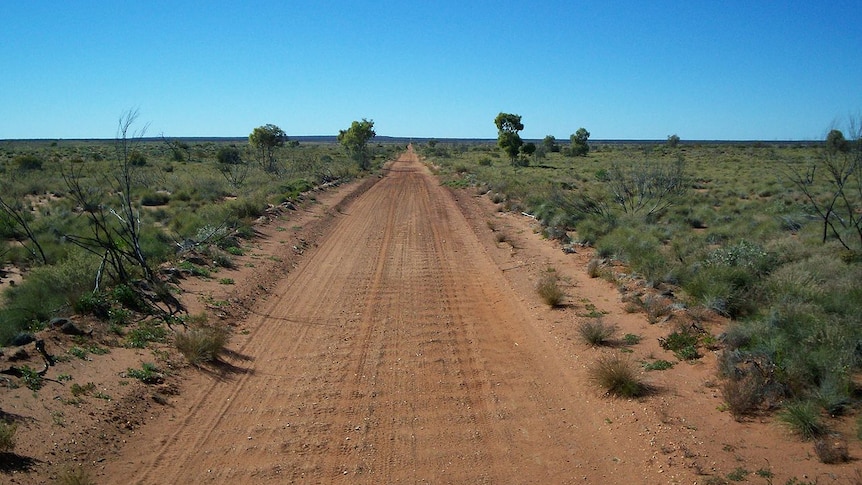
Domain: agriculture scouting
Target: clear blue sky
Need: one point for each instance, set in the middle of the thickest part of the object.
(735, 70)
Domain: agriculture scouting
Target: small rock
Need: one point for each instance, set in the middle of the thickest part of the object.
(23, 338)
(69, 328)
(58, 321)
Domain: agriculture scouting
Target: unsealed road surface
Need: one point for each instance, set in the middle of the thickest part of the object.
(395, 353)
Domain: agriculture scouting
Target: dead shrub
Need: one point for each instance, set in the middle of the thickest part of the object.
(832, 450)
(742, 396)
(594, 268)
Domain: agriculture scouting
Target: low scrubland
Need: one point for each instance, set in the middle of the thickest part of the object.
(91, 225)
(754, 234)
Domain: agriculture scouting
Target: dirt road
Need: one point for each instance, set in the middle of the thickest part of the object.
(395, 353)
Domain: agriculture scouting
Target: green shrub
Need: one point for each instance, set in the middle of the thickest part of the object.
(634, 245)
(155, 199)
(618, 376)
(31, 378)
(46, 292)
(28, 162)
(682, 343)
(148, 374)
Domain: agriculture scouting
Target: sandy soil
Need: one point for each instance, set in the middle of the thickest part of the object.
(384, 335)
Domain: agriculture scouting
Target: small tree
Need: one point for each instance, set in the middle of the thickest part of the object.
(580, 148)
(355, 141)
(231, 166)
(549, 143)
(672, 141)
(265, 139)
(114, 228)
(527, 150)
(508, 126)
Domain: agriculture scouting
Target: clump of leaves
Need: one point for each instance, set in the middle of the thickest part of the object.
(596, 332)
(550, 289)
(7, 436)
(618, 376)
(202, 344)
(148, 374)
(31, 378)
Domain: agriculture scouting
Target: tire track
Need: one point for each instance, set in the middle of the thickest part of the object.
(394, 353)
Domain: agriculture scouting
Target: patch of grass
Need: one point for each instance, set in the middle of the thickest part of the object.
(79, 390)
(682, 343)
(148, 374)
(803, 419)
(75, 476)
(140, 337)
(226, 281)
(7, 436)
(78, 352)
(657, 365)
(738, 475)
(550, 290)
(596, 332)
(201, 344)
(631, 339)
(618, 376)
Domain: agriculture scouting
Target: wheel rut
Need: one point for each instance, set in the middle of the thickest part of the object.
(394, 353)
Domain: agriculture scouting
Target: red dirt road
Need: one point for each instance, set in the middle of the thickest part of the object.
(395, 353)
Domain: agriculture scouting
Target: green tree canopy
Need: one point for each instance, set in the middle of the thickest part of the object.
(265, 139)
(508, 126)
(580, 148)
(549, 143)
(355, 141)
(836, 143)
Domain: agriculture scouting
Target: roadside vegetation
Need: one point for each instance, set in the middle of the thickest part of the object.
(765, 236)
(105, 228)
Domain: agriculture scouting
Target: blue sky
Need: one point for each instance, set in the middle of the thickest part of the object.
(733, 70)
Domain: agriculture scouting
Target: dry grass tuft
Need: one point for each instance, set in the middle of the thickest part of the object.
(201, 344)
(76, 476)
(618, 376)
(7, 436)
(550, 289)
(596, 332)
